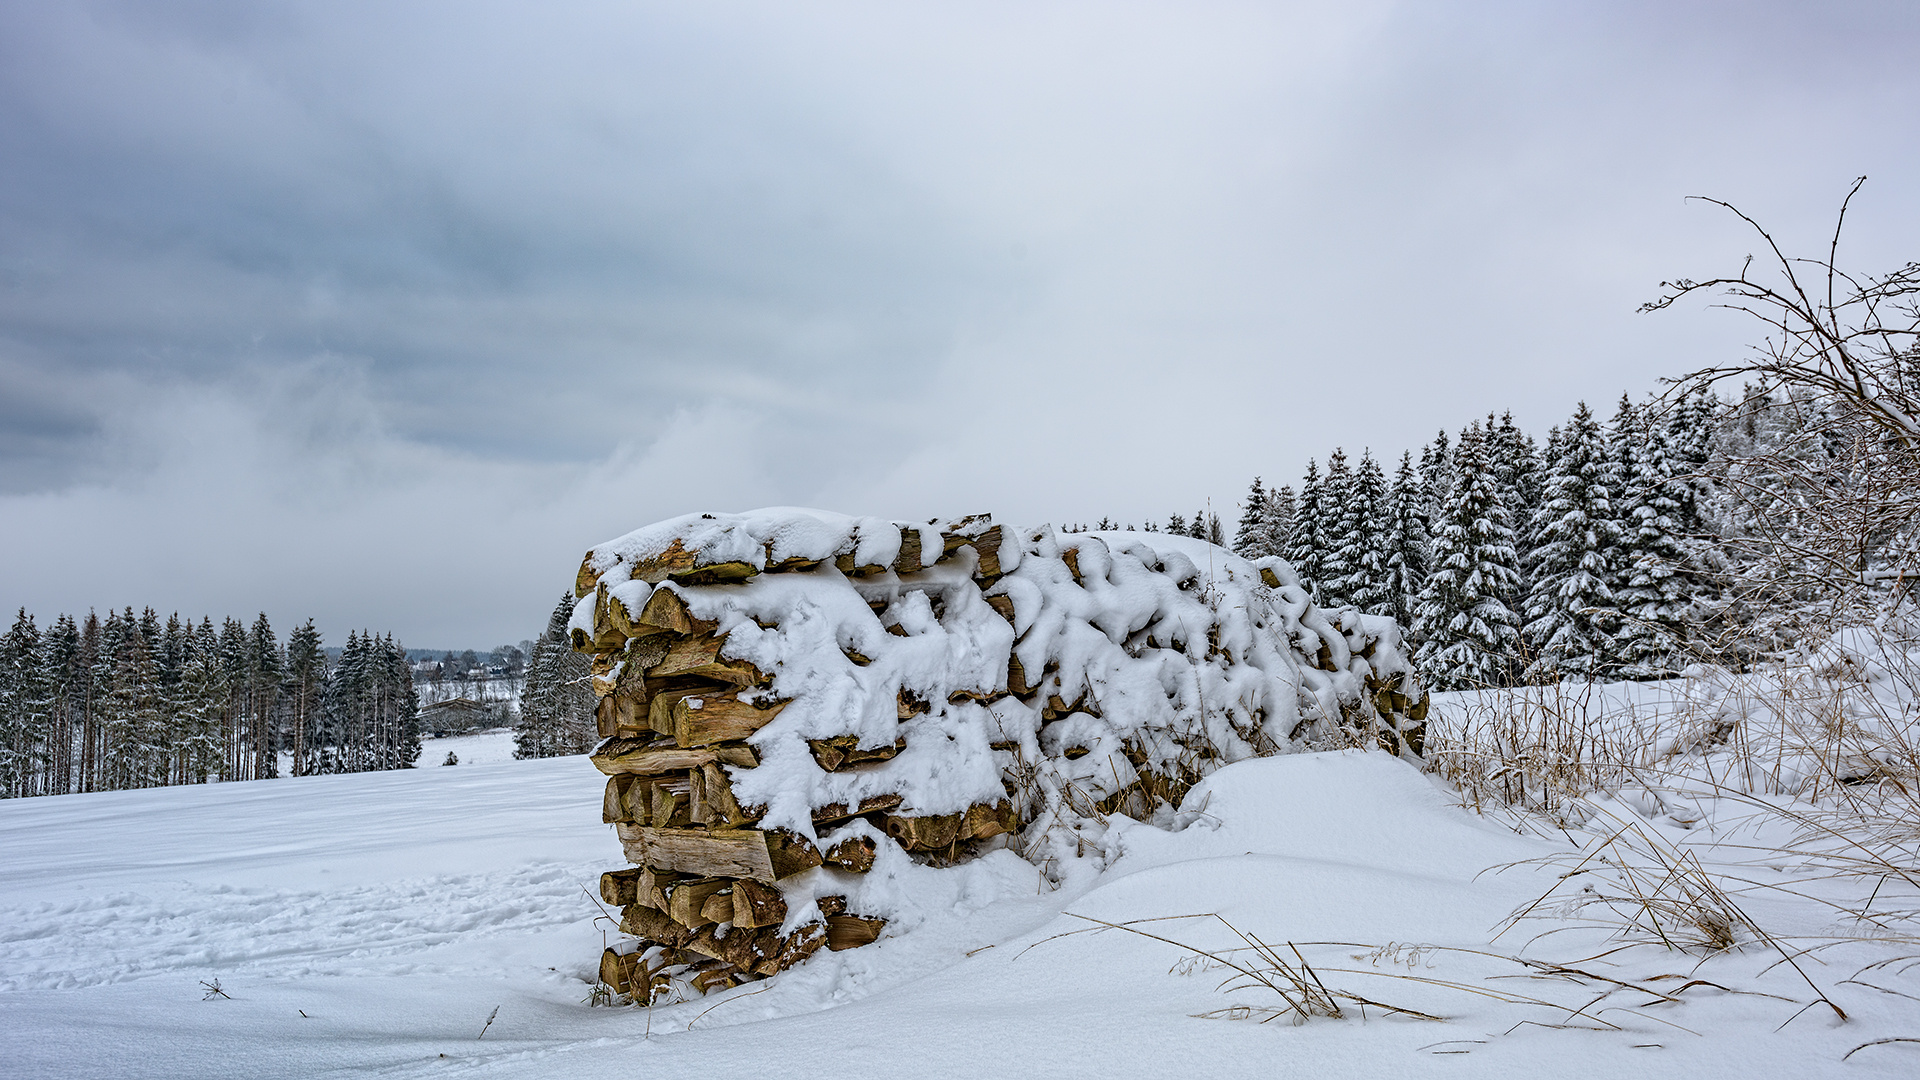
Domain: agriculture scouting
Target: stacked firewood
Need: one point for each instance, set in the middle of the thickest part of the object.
(794, 705)
(704, 897)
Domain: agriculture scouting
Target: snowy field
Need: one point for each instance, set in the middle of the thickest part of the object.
(373, 923)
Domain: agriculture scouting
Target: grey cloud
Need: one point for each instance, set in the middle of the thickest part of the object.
(493, 282)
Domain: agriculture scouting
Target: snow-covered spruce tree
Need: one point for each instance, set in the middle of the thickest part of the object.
(22, 707)
(1571, 613)
(1302, 551)
(1407, 544)
(556, 706)
(1277, 527)
(1468, 636)
(1436, 476)
(1661, 581)
(1517, 469)
(1360, 540)
(264, 669)
(1249, 537)
(62, 671)
(306, 677)
(1336, 490)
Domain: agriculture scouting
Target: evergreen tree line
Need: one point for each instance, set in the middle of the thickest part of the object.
(131, 702)
(557, 703)
(1610, 552)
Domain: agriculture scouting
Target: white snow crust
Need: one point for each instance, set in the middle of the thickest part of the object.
(370, 924)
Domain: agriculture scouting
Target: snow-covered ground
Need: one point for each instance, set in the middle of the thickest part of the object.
(375, 922)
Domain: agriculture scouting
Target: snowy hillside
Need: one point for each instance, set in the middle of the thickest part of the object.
(376, 921)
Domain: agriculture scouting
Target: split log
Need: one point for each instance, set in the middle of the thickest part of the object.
(667, 803)
(722, 976)
(722, 808)
(651, 757)
(687, 901)
(1017, 683)
(737, 853)
(924, 833)
(623, 972)
(989, 819)
(908, 561)
(855, 854)
(655, 926)
(755, 904)
(935, 831)
(843, 751)
(651, 889)
(614, 804)
(702, 718)
(700, 656)
(1002, 604)
(620, 887)
(845, 564)
(832, 812)
(718, 908)
(667, 610)
(852, 931)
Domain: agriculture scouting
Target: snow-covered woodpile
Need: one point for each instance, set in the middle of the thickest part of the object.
(798, 708)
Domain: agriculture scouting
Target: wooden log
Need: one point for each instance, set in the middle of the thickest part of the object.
(1017, 683)
(845, 564)
(987, 545)
(620, 887)
(698, 810)
(702, 717)
(651, 925)
(852, 931)
(908, 561)
(989, 819)
(755, 904)
(722, 976)
(666, 610)
(677, 562)
(613, 804)
(700, 656)
(718, 908)
(1071, 556)
(935, 831)
(651, 889)
(792, 949)
(832, 812)
(687, 901)
(722, 808)
(623, 972)
(736, 853)
(845, 751)
(1002, 605)
(667, 803)
(855, 854)
(651, 757)
(923, 833)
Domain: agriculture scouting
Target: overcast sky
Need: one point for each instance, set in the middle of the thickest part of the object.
(382, 313)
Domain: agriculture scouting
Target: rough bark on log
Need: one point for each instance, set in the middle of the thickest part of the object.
(620, 887)
(832, 812)
(651, 757)
(843, 751)
(755, 904)
(737, 853)
(702, 717)
(700, 656)
(687, 901)
(855, 854)
(613, 804)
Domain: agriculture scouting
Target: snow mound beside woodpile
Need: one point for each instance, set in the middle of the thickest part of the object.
(799, 707)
